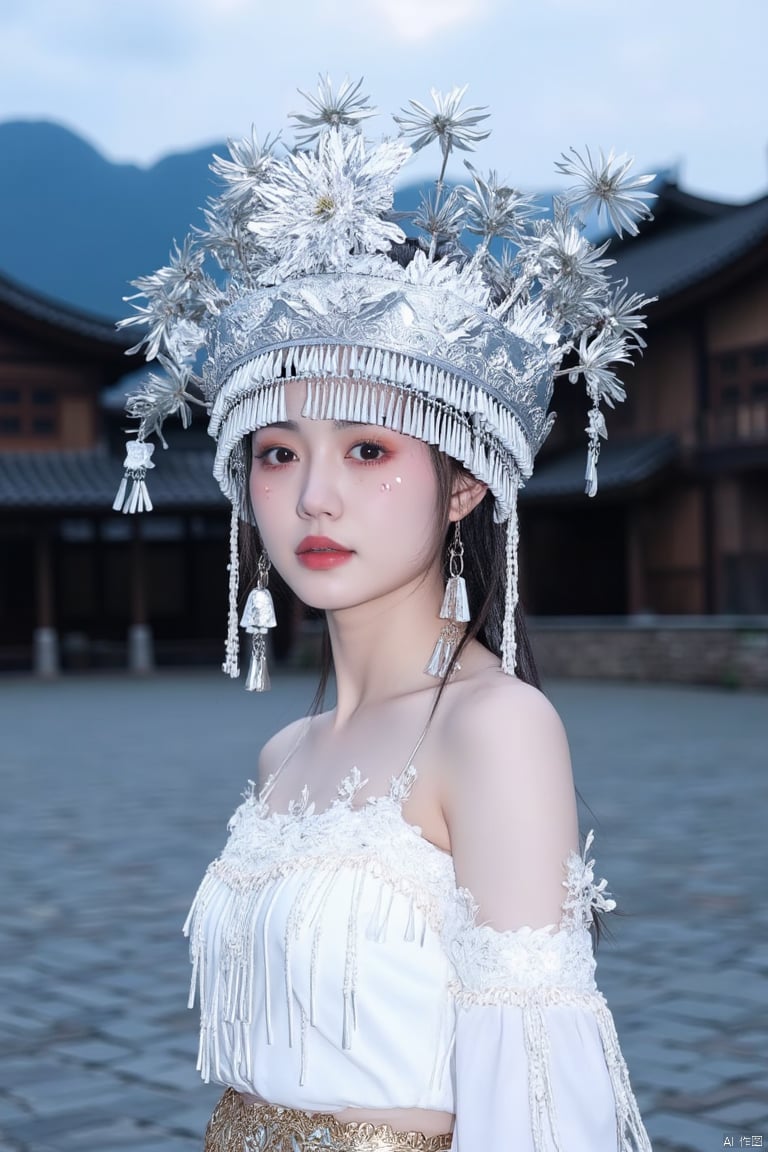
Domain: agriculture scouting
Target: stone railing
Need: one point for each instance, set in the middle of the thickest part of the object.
(730, 651)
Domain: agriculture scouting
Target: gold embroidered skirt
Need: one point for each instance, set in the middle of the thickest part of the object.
(239, 1127)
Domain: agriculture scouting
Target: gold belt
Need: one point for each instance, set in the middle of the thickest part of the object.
(239, 1127)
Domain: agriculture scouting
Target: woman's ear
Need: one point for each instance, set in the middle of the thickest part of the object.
(466, 495)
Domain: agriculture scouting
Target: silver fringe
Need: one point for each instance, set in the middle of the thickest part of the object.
(381, 388)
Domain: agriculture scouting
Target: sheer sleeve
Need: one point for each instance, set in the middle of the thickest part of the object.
(538, 1062)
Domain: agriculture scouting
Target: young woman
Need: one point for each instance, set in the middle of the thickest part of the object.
(393, 950)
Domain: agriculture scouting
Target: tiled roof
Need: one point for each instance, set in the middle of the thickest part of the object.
(622, 464)
(680, 257)
(89, 480)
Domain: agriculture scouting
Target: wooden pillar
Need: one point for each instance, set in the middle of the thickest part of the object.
(141, 656)
(45, 641)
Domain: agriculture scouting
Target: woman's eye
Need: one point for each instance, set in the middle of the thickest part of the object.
(368, 452)
(276, 455)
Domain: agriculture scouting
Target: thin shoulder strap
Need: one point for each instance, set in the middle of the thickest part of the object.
(271, 780)
(408, 774)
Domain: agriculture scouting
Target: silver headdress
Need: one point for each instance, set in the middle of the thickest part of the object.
(460, 348)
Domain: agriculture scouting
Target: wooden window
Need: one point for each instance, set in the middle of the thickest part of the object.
(739, 395)
(738, 376)
(28, 412)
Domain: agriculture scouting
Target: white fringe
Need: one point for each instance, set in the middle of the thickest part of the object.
(345, 383)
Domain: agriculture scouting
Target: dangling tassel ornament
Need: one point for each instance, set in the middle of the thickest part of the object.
(596, 431)
(138, 460)
(258, 617)
(454, 610)
(231, 663)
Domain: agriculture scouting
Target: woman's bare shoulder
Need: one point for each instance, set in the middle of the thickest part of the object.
(491, 702)
(498, 724)
(280, 746)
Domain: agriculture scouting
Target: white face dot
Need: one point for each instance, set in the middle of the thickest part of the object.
(386, 488)
(398, 479)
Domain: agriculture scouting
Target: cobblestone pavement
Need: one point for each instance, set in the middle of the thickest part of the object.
(116, 793)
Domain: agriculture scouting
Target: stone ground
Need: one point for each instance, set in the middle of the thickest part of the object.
(116, 793)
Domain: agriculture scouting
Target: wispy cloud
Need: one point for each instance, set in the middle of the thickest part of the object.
(415, 21)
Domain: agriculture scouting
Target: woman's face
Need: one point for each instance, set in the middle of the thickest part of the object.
(347, 512)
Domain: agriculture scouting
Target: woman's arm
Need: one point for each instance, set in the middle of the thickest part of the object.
(538, 1065)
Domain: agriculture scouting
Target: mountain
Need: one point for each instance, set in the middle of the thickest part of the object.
(78, 228)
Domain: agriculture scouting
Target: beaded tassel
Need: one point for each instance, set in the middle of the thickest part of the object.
(231, 663)
(509, 640)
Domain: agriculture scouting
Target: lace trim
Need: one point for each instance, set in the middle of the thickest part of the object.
(490, 963)
(526, 997)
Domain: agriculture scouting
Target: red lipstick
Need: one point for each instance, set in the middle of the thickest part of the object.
(320, 553)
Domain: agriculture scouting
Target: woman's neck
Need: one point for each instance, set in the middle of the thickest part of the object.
(380, 648)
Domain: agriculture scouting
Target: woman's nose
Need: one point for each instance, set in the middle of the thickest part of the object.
(319, 494)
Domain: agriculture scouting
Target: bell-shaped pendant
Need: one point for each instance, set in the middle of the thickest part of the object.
(258, 672)
(455, 601)
(259, 611)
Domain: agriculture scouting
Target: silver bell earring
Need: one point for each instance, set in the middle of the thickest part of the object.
(258, 617)
(454, 610)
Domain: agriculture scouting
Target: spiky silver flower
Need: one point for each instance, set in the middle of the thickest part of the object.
(243, 172)
(604, 185)
(319, 208)
(596, 355)
(624, 313)
(174, 293)
(343, 109)
(441, 221)
(446, 122)
(163, 396)
(564, 252)
(494, 209)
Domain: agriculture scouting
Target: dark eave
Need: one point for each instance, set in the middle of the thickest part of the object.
(623, 465)
(60, 324)
(687, 262)
(88, 480)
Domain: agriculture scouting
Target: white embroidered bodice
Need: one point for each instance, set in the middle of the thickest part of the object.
(334, 955)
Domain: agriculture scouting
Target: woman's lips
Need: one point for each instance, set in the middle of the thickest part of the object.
(320, 552)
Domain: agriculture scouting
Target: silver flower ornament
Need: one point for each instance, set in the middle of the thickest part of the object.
(319, 208)
(606, 186)
(163, 396)
(447, 122)
(346, 108)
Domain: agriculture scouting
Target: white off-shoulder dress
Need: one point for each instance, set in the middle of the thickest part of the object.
(338, 965)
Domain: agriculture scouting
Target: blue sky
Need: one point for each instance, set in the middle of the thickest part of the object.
(677, 83)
